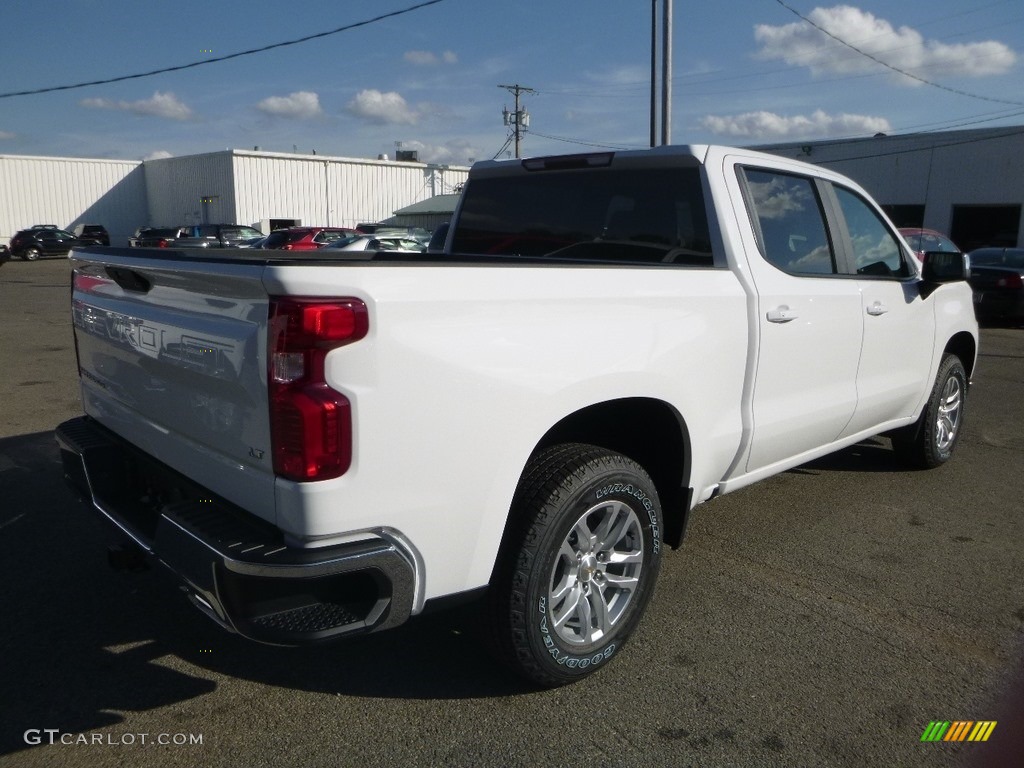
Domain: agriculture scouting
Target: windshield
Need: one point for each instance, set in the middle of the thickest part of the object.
(930, 241)
(649, 216)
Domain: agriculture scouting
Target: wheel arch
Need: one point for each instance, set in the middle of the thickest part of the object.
(964, 346)
(650, 432)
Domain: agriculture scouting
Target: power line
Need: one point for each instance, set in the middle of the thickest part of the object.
(589, 143)
(896, 69)
(217, 59)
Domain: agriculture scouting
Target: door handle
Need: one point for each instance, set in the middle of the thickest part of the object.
(878, 308)
(781, 314)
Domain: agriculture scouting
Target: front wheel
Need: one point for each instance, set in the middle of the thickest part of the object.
(578, 564)
(930, 442)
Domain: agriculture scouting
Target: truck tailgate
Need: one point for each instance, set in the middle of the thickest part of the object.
(172, 356)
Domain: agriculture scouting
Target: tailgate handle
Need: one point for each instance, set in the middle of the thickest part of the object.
(129, 279)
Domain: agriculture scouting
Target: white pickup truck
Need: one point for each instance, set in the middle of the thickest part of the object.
(320, 445)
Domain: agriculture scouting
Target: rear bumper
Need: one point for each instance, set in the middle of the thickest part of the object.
(237, 569)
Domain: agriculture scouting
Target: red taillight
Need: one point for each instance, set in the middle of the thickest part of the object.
(310, 423)
(162, 244)
(1010, 281)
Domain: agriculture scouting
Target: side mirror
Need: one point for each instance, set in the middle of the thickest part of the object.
(945, 267)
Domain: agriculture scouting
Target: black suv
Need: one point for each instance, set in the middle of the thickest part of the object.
(92, 233)
(43, 240)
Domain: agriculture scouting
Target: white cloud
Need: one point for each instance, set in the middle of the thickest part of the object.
(800, 44)
(165, 105)
(300, 104)
(768, 125)
(159, 154)
(6, 135)
(429, 58)
(382, 108)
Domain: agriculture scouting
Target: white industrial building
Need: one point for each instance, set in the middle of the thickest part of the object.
(264, 189)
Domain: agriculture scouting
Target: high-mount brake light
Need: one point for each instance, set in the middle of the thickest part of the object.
(569, 162)
(310, 423)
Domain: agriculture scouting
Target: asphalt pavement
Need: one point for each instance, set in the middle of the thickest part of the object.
(824, 617)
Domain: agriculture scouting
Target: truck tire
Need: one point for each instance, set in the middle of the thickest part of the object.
(930, 441)
(578, 563)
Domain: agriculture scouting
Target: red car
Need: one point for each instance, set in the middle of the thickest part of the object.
(923, 240)
(305, 238)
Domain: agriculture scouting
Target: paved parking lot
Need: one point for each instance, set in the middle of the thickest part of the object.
(821, 618)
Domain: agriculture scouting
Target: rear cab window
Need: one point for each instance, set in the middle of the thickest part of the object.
(596, 214)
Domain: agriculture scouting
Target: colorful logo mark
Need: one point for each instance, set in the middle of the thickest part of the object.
(958, 730)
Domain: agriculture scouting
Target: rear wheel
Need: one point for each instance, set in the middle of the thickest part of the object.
(31, 253)
(578, 564)
(931, 441)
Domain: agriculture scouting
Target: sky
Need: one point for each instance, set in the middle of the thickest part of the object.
(430, 79)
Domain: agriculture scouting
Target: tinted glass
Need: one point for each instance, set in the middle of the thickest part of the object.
(650, 216)
(341, 242)
(998, 257)
(792, 226)
(240, 233)
(876, 251)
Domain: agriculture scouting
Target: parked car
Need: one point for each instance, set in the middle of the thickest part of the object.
(307, 238)
(997, 278)
(393, 230)
(438, 238)
(94, 233)
(133, 241)
(5, 255)
(43, 240)
(157, 237)
(923, 240)
(378, 243)
(217, 235)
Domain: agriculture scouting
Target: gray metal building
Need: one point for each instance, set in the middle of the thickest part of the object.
(967, 184)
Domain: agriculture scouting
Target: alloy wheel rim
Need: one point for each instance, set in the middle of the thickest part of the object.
(948, 419)
(596, 573)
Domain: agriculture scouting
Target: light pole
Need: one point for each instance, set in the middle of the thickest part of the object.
(654, 73)
(666, 72)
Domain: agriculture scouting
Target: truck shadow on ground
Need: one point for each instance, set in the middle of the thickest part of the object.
(83, 643)
(872, 455)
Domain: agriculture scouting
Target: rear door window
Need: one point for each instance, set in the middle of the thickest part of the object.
(790, 221)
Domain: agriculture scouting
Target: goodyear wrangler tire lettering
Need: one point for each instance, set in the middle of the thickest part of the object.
(583, 548)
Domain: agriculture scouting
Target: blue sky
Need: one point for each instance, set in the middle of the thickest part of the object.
(745, 72)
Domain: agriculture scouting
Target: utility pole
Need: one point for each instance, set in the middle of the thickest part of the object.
(520, 118)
